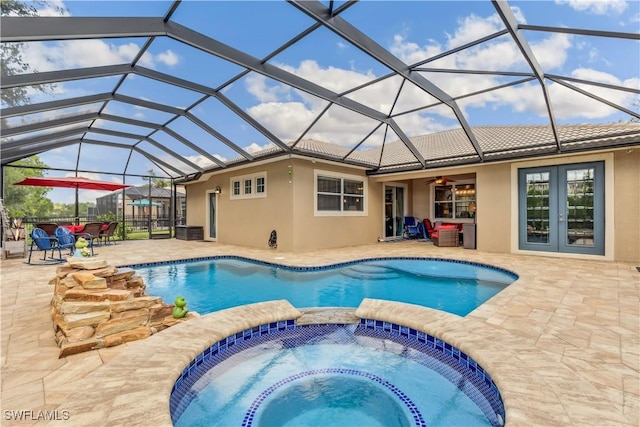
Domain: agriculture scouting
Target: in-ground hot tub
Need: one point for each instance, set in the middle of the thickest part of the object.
(373, 373)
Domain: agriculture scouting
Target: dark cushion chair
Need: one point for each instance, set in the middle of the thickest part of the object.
(107, 234)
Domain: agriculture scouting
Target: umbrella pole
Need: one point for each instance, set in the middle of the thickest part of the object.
(77, 208)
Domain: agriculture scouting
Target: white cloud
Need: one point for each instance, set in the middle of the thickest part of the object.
(552, 52)
(257, 86)
(473, 27)
(287, 112)
(254, 148)
(70, 54)
(597, 7)
(76, 54)
(168, 58)
(284, 119)
(567, 103)
(411, 52)
(332, 78)
(52, 8)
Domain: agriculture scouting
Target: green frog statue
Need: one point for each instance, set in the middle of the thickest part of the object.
(180, 310)
(82, 249)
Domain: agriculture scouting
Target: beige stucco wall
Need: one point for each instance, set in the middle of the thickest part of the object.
(493, 192)
(289, 207)
(627, 205)
(315, 232)
(247, 222)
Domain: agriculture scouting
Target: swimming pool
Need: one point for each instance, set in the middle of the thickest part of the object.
(373, 374)
(227, 281)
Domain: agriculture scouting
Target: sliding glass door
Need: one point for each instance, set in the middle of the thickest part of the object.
(394, 201)
(561, 208)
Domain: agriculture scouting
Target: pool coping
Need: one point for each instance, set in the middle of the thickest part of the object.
(571, 324)
(149, 368)
(331, 266)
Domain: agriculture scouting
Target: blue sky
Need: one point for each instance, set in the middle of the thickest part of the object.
(413, 31)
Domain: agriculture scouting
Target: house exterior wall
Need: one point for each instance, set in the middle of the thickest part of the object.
(317, 232)
(627, 205)
(493, 201)
(289, 206)
(247, 222)
(288, 209)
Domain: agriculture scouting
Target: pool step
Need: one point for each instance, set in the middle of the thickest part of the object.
(370, 272)
(325, 315)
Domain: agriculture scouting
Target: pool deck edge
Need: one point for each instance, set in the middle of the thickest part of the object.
(570, 325)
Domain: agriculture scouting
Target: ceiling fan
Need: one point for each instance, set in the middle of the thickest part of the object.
(439, 180)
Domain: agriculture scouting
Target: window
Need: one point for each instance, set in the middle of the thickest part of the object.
(249, 186)
(339, 194)
(455, 201)
(260, 185)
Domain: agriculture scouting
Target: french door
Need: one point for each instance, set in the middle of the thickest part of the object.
(561, 208)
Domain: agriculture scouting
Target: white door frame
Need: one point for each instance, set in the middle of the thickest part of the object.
(405, 204)
(207, 230)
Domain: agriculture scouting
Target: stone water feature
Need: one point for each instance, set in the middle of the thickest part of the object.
(96, 305)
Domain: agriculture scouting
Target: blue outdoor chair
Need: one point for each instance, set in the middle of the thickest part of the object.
(66, 240)
(411, 228)
(41, 241)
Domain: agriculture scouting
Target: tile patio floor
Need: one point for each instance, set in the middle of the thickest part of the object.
(562, 342)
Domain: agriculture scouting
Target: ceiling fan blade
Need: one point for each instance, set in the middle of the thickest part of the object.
(440, 180)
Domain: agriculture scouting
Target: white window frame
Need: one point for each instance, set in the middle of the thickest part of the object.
(453, 201)
(264, 184)
(233, 188)
(342, 176)
(253, 193)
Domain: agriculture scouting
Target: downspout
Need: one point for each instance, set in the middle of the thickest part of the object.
(150, 210)
(173, 210)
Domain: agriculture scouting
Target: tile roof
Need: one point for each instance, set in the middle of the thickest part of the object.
(453, 146)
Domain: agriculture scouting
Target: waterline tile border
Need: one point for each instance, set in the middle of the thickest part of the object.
(319, 268)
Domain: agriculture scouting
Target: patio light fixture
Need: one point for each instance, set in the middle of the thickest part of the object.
(218, 190)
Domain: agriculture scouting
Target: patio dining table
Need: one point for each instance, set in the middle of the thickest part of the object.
(75, 229)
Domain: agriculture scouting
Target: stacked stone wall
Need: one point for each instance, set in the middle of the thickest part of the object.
(96, 305)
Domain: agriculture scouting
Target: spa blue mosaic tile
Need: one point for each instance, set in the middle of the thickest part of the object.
(418, 419)
(479, 385)
(423, 348)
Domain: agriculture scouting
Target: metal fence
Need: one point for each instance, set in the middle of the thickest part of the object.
(134, 227)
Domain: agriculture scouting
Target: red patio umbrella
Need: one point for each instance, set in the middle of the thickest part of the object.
(77, 182)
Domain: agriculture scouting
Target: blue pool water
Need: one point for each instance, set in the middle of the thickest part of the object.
(215, 284)
(333, 375)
